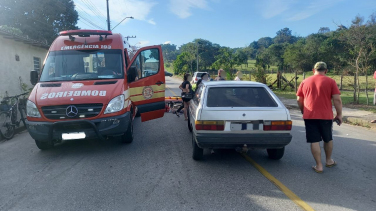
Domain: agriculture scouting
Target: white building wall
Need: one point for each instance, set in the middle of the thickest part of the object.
(11, 70)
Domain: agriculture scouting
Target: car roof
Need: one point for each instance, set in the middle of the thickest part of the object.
(229, 83)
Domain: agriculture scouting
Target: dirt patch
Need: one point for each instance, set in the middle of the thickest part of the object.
(371, 108)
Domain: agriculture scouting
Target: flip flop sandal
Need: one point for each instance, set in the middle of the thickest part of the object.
(331, 165)
(373, 121)
(317, 171)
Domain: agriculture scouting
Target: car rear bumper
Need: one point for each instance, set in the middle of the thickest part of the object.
(228, 141)
(98, 128)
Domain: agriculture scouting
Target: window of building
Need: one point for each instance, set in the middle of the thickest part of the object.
(37, 64)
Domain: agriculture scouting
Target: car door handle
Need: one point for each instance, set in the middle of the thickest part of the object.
(159, 83)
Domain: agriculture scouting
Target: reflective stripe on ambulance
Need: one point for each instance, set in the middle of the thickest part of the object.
(147, 92)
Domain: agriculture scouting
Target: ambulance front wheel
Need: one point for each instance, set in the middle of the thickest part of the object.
(128, 136)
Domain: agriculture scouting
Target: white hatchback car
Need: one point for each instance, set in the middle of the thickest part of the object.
(197, 76)
(237, 115)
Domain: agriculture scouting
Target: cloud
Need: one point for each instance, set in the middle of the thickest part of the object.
(272, 8)
(151, 21)
(167, 42)
(313, 8)
(182, 8)
(294, 10)
(143, 43)
(139, 9)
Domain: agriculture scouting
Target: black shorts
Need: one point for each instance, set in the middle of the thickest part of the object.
(318, 130)
(186, 99)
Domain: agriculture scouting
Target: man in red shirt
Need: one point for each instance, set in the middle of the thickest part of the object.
(314, 96)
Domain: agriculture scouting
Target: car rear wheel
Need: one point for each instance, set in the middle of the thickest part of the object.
(44, 145)
(198, 153)
(276, 154)
(128, 136)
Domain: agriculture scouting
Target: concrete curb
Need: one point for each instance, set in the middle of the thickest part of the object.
(359, 122)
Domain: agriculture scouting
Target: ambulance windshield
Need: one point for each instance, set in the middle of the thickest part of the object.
(83, 65)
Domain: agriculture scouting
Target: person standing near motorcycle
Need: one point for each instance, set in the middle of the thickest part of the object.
(187, 94)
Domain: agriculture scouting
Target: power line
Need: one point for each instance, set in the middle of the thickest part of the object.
(80, 15)
(94, 10)
(86, 18)
(100, 13)
(89, 21)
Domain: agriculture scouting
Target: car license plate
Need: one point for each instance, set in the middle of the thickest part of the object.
(238, 126)
(72, 136)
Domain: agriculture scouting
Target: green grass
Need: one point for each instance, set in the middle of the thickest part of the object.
(285, 94)
(251, 65)
(169, 69)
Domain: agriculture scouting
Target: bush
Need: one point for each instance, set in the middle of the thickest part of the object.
(260, 75)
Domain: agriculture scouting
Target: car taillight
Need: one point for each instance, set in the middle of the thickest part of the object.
(196, 79)
(210, 125)
(277, 125)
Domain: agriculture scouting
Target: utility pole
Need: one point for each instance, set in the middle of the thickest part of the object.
(108, 18)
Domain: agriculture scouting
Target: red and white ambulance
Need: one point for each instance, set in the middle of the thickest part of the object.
(90, 88)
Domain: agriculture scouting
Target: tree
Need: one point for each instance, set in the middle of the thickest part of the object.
(264, 42)
(360, 41)
(39, 19)
(225, 59)
(324, 30)
(284, 36)
(190, 49)
(206, 52)
(264, 60)
(241, 57)
(335, 52)
(276, 52)
(181, 64)
(169, 52)
(297, 57)
(313, 47)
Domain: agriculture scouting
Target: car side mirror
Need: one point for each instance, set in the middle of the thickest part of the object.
(33, 77)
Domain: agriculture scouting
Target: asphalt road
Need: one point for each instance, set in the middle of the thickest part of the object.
(156, 172)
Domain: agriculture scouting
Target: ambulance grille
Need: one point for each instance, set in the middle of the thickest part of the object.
(78, 111)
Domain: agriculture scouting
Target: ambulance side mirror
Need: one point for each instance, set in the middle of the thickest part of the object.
(33, 77)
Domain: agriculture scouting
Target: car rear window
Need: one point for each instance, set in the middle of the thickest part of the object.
(239, 97)
(199, 74)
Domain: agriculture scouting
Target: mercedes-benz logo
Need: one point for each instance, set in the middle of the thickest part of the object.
(71, 111)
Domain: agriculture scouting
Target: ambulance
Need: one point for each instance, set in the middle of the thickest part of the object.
(92, 85)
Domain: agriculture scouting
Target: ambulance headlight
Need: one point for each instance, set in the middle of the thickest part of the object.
(115, 105)
(32, 110)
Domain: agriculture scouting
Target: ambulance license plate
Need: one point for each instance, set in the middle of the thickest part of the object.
(72, 136)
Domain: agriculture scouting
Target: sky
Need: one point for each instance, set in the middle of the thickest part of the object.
(231, 23)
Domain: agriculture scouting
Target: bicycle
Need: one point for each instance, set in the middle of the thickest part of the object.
(8, 119)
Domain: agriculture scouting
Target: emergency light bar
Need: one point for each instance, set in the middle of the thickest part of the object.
(85, 32)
